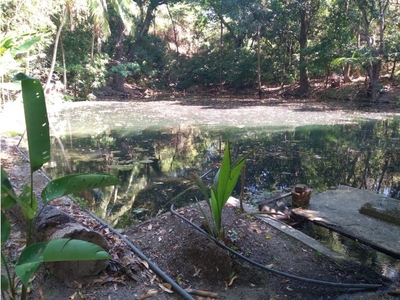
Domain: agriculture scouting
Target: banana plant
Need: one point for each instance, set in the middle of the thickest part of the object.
(221, 189)
(37, 129)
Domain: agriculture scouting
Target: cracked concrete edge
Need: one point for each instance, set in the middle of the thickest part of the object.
(294, 233)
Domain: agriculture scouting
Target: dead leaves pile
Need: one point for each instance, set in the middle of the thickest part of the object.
(124, 266)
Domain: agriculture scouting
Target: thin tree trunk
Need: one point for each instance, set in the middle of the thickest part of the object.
(175, 33)
(259, 62)
(53, 62)
(393, 69)
(64, 64)
(119, 79)
(92, 45)
(221, 46)
(304, 84)
(346, 73)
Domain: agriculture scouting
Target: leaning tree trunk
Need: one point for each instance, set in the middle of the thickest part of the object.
(57, 39)
(53, 223)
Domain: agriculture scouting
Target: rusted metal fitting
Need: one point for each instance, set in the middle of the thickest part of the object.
(301, 195)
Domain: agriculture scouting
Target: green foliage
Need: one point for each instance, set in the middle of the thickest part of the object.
(12, 48)
(125, 69)
(39, 153)
(222, 188)
(151, 57)
(87, 75)
(74, 183)
(37, 124)
(55, 250)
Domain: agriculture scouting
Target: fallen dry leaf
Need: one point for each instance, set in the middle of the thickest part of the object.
(148, 294)
(145, 264)
(232, 280)
(284, 281)
(197, 272)
(165, 287)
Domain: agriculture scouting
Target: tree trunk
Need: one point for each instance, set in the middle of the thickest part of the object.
(374, 76)
(53, 223)
(175, 32)
(259, 62)
(393, 69)
(304, 83)
(119, 79)
(346, 73)
(64, 64)
(53, 62)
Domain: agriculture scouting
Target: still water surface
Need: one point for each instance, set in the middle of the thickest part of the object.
(154, 161)
(153, 150)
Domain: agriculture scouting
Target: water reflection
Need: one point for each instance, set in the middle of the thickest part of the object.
(154, 163)
(382, 263)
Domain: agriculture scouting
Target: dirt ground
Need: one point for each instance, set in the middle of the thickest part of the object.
(192, 260)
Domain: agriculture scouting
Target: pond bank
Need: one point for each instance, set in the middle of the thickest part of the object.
(79, 117)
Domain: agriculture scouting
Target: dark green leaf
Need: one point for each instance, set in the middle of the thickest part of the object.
(4, 283)
(29, 261)
(28, 203)
(5, 229)
(72, 250)
(76, 183)
(37, 124)
(8, 197)
(55, 250)
(26, 45)
(200, 184)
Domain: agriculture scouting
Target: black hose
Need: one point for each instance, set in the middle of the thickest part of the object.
(315, 281)
(185, 294)
(152, 266)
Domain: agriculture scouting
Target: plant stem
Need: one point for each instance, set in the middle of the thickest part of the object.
(10, 281)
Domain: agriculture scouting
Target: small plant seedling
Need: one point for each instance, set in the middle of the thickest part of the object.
(222, 188)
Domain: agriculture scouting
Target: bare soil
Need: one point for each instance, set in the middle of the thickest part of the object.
(194, 261)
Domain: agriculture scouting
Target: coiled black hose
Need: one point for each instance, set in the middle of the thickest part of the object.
(185, 294)
(287, 275)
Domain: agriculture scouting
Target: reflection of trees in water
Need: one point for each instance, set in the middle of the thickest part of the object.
(362, 154)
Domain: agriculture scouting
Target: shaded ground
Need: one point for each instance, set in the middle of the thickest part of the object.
(194, 261)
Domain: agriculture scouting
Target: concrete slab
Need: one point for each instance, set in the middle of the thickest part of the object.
(385, 209)
(294, 233)
(338, 210)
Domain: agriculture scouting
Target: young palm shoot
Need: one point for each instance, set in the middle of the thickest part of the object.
(221, 189)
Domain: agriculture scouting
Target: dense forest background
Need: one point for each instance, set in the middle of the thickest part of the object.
(80, 46)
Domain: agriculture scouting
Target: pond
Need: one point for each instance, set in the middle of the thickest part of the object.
(153, 153)
(153, 147)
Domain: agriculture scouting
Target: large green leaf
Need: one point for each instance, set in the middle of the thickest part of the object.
(5, 229)
(28, 203)
(76, 183)
(26, 45)
(37, 124)
(8, 196)
(55, 250)
(29, 261)
(72, 250)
